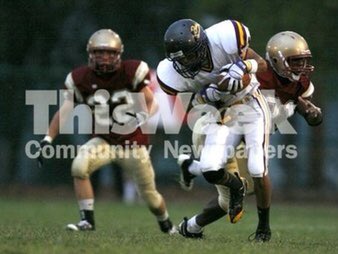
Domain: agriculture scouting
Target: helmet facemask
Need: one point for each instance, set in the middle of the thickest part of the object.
(289, 55)
(292, 67)
(299, 65)
(104, 60)
(105, 49)
(190, 63)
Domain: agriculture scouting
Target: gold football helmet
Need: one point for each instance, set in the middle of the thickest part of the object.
(105, 48)
(289, 55)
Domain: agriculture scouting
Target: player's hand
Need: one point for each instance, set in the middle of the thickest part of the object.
(230, 84)
(137, 119)
(311, 113)
(208, 94)
(235, 70)
(211, 93)
(43, 143)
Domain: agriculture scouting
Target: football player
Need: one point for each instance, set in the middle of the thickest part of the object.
(288, 57)
(107, 84)
(204, 62)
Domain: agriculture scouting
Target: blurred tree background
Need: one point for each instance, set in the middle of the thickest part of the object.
(41, 41)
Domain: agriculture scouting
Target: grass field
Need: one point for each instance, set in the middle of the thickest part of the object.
(31, 226)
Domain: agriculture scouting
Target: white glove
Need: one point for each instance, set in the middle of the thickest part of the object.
(135, 119)
(235, 70)
(208, 94)
(47, 141)
(230, 84)
(211, 93)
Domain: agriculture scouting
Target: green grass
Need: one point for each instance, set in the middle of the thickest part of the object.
(30, 226)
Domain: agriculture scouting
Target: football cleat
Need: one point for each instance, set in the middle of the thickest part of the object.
(186, 178)
(167, 226)
(261, 235)
(83, 225)
(236, 201)
(182, 230)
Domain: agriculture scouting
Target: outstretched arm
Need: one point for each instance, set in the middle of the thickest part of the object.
(58, 121)
(152, 105)
(311, 113)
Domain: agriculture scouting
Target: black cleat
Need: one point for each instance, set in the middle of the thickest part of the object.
(261, 235)
(167, 227)
(83, 225)
(186, 178)
(236, 201)
(182, 229)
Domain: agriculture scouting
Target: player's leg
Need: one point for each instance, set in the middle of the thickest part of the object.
(144, 177)
(220, 144)
(240, 164)
(213, 211)
(214, 156)
(257, 142)
(189, 167)
(92, 155)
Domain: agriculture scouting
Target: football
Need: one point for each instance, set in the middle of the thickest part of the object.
(223, 86)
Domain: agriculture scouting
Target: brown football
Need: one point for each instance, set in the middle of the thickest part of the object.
(222, 86)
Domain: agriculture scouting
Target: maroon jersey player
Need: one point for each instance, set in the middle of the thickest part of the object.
(132, 76)
(105, 85)
(287, 76)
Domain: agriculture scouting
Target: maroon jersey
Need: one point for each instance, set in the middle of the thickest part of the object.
(285, 89)
(132, 76)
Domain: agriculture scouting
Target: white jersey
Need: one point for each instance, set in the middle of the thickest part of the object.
(227, 40)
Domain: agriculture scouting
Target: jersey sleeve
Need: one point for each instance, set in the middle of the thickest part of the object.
(72, 91)
(307, 87)
(242, 35)
(137, 74)
(141, 77)
(169, 80)
(233, 36)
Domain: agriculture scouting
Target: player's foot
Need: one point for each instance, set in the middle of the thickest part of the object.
(236, 201)
(83, 225)
(167, 226)
(261, 235)
(186, 178)
(182, 229)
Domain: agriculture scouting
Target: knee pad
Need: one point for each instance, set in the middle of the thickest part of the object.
(256, 169)
(214, 177)
(80, 167)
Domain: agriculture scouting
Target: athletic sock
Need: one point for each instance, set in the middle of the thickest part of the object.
(86, 204)
(195, 168)
(87, 210)
(163, 217)
(192, 226)
(263, 218)
(88, 216)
